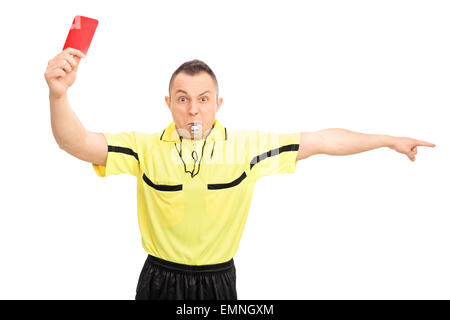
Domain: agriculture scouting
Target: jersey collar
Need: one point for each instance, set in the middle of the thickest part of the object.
(218, 133)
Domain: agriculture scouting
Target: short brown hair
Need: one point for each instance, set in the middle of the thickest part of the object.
(194, 67)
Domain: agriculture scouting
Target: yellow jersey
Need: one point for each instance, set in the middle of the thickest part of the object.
(193, 196)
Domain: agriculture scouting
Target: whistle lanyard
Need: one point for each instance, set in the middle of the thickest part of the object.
(193, 154)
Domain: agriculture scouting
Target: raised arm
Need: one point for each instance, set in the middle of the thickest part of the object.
(67, 129)
(340, 142)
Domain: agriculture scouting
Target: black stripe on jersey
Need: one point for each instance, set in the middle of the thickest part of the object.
(273, 152)
(123, 150)
(162, 187)
(227, 185)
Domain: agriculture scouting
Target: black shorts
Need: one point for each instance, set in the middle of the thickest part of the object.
(166, 280)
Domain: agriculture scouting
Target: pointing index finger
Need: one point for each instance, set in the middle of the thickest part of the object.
(425, 144)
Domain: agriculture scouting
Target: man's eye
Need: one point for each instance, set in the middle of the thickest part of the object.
(206, 98)
(181, 98)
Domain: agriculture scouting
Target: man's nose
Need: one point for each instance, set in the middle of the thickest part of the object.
(194, 109)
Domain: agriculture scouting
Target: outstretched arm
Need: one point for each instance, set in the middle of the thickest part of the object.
(341, 142)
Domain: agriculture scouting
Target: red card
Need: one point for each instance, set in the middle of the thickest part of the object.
(81, 33)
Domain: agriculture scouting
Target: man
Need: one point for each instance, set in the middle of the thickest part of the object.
(194, 178)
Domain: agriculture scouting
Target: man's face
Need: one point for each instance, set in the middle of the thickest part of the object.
(193, 99)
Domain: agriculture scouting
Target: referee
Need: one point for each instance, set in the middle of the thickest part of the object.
(195, 179)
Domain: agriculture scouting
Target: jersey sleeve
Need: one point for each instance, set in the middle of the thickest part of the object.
(122, 155)
(273, 153)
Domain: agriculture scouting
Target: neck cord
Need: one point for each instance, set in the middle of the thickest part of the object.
(192, 154)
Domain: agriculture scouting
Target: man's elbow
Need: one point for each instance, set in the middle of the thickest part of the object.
(74, 148)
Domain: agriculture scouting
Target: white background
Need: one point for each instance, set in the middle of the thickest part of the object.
(372, 225)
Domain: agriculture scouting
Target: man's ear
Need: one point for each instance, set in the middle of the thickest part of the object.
(219, 104)
(167, 101)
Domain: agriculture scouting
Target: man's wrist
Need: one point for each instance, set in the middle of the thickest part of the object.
(389, 141)
(54, 96)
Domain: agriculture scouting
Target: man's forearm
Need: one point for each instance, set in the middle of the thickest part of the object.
(339, 142)
(67, 129)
